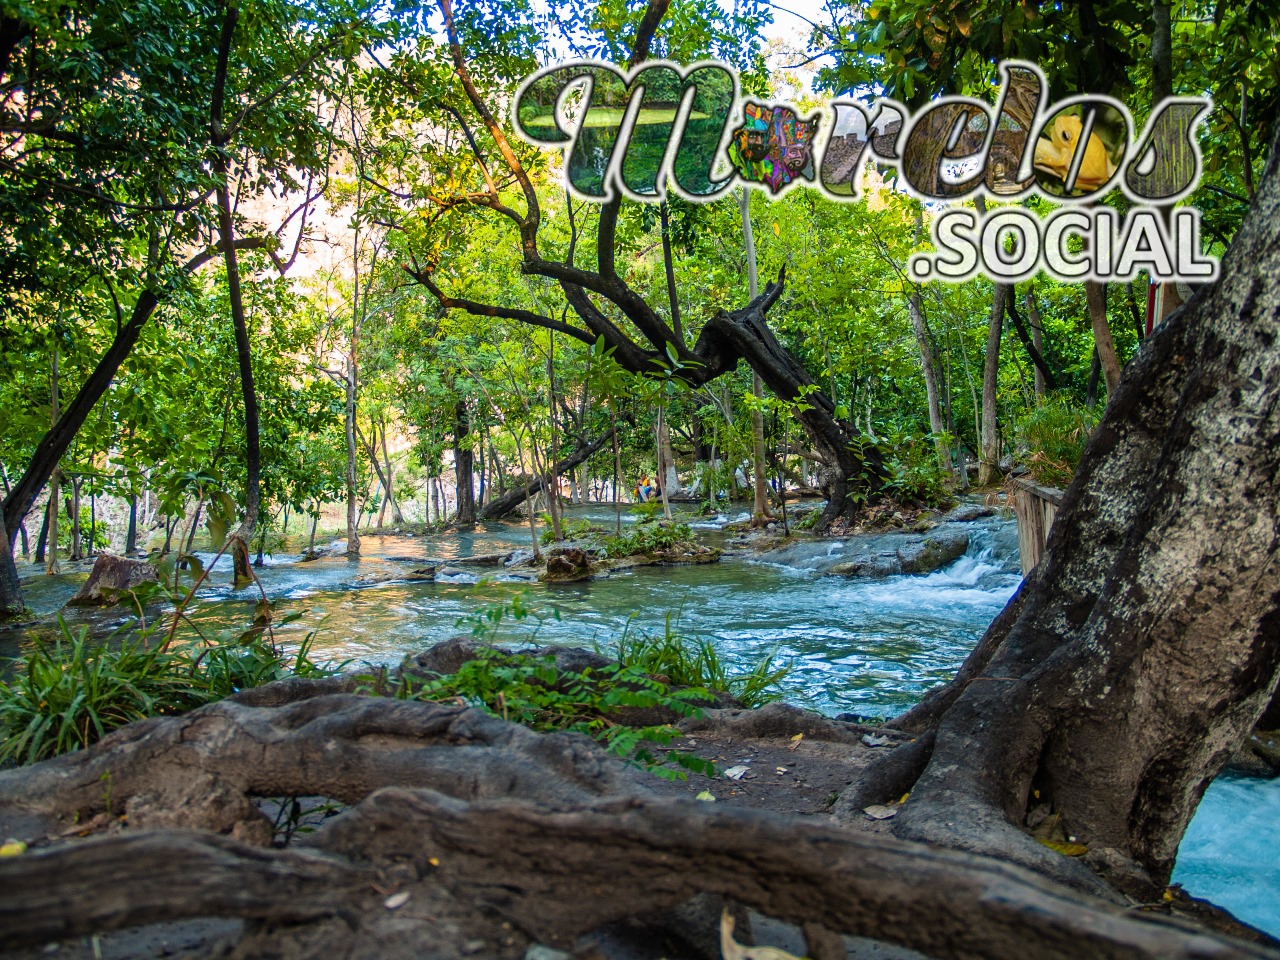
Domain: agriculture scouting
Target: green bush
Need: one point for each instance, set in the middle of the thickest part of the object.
(914, 472)
(70, 693)
(530, 690)
(647, 537)
(1051, 439)
(101, 539)
(574, 530)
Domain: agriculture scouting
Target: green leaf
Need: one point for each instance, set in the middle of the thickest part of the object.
(219, 516)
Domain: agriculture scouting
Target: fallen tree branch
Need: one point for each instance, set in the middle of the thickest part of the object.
(527, 486)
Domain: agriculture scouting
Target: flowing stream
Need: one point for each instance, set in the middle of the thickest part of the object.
(867, 646)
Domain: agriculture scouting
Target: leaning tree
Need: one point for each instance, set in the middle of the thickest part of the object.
(608, 309)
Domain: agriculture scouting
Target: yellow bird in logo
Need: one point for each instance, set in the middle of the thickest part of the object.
(1056, 150)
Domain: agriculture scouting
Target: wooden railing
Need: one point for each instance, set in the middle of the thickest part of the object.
(1035, 507)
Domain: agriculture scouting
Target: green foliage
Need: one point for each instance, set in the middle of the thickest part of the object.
(574, 530)
(100, 538)
(695, 662)
(485, 624)
(648, 538)
(1052, 437)
(915, 474)
(66, 695)
(530, 690)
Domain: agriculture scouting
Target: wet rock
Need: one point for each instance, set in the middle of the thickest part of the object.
(111, 576)
(567, 566)
(483, 560)
(676, 556)
(1258, 756)
(572, 659)
(906, 554)
(519, 558)
(865, 565)
(968, 512)
(417, 575)
(316, 553)
(1266, 747)
(933, 552)
(444, 658)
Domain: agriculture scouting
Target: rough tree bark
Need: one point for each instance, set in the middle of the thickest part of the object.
(1144, 646)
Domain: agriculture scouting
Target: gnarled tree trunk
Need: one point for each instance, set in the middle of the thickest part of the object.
(1144, 647)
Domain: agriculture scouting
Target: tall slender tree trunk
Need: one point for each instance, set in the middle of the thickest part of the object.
(383, 479)
(1091, 384)
(51, 565)
(353, 495)
(131, 533)
(396, 516)
(244, 359)
(936, 425)
(10, 588)
(989, 460)
(552, 482)
(1161, 89)
(77, 547)
(669, 263)
(42, 538)
(663, 447)
(617, 470)
(760, 491)
(1037, 336)
(463, 466)
(1096, 297)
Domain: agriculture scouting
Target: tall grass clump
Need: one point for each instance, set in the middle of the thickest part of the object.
(66, 694)
(1051, 439)
(696, 662)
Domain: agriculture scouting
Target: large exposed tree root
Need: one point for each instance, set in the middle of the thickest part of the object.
(554, 875)
(202, 770)
(483, 823)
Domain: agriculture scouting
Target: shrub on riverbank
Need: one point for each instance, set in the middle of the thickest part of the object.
(529, 689)
(67, 694)
(1052, 437)
(696, 662)
(648, 537)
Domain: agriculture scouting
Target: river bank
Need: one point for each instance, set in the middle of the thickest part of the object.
(861, 643)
